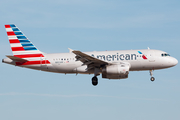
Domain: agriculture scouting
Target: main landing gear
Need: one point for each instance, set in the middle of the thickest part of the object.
(151, 73)
(94, 80)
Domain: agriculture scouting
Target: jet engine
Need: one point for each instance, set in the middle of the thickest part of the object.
(119, 71)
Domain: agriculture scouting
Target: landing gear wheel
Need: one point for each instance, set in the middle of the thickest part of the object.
(94, 80)
(152, 78)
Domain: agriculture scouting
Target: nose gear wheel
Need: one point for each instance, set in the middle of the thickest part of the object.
(151, 73)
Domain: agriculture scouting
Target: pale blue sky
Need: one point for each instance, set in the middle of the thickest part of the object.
(93, 25)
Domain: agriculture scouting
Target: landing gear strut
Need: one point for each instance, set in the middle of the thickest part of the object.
(152, 78)
(94, 80)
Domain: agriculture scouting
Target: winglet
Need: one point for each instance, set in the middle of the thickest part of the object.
(17, 59)
(70, 50)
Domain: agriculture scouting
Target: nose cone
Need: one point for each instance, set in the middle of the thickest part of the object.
(173, 61)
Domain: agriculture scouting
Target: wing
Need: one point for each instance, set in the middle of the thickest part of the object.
(88, 60)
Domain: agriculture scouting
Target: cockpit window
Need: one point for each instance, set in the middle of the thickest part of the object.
(164, 54)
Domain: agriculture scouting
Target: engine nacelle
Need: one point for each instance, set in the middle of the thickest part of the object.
(115, 71)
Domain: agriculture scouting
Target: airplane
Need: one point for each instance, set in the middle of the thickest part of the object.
(111, 64)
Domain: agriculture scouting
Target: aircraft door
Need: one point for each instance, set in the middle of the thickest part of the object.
(151, 56)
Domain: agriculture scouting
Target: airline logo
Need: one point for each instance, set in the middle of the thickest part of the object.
(143, 56)
(119, 57)
(18, 41)
(22, 47)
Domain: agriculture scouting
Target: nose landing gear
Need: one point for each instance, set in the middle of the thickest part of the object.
(151, 73)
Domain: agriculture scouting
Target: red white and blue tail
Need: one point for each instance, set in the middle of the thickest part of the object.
(22, 47)
(20, 44)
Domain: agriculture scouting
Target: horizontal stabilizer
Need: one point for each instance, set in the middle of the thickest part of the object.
(17, 59)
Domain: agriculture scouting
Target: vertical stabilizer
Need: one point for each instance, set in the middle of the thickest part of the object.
(20, 44)
(22, 47)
